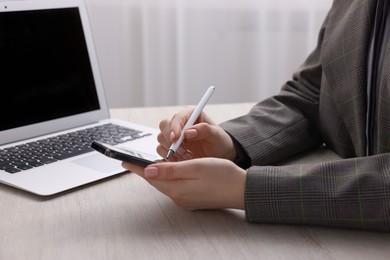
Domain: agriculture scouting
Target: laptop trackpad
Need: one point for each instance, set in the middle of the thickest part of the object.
(100, 163)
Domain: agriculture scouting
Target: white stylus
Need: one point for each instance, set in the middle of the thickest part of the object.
(198, 109)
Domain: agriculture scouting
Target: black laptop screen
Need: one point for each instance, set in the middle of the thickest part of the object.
(45, 71)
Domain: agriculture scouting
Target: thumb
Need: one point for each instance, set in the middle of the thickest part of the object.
(200, 131)
(162, 171)
(169, 171)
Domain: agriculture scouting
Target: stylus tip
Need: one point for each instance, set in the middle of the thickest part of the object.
(170, 153)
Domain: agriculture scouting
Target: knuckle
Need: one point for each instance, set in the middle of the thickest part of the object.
(170, 172)
(160, 137)
(205, 128)
(163, 124)
(179, 119)
(161, 151)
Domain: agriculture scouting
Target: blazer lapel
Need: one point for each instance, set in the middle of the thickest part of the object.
(384, 106)
(344, 60)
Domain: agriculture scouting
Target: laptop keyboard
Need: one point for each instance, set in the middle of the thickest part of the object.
(34, 154)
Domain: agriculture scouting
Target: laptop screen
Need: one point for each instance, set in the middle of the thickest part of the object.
(45, 69)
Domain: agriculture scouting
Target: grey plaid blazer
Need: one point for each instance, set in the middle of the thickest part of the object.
(324, 103)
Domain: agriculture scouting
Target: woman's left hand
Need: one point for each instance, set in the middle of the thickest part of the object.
(206, 183)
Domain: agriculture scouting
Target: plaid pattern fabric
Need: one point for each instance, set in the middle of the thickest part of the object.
(324, 103)
(351, 193)
(384, 106)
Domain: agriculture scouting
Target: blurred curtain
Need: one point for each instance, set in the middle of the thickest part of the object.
(167, 52)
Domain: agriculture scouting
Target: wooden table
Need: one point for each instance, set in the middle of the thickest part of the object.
(125, 218)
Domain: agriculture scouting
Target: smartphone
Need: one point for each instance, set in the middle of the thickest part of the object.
(124, 154)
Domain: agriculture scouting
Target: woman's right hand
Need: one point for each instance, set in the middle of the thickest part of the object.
(203, 139)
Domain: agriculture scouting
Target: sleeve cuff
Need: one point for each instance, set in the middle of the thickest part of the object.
(242, 160)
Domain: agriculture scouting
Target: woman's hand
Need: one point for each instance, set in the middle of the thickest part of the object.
(203, 139)
(207, 183)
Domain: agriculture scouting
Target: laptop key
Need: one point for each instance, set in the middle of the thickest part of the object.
(3, 163)
(24, 167)
(12, 170)
(47, 160)
(5, 166)
(35, 164)
(69, 154)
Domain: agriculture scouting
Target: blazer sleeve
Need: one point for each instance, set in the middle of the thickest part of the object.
(285, 124)
(349, 193)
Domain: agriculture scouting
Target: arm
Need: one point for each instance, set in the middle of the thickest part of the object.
(352, 193)
(286, 124)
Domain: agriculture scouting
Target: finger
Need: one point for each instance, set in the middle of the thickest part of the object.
(201, 131)
(178, 121)
(183, 154)
(172, 171)
(163, 124)
(163, 141)
(134, 168)
(165, 130)
(162, 151)
(163, 171)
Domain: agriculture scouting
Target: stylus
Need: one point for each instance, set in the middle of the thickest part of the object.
(195, 114)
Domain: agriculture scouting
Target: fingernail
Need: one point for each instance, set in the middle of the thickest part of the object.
(192, 133)
(172, 135)
(151, 172)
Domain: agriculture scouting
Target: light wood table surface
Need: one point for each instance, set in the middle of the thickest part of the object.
(123, 217)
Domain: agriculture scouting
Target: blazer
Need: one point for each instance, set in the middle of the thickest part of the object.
(324, 103)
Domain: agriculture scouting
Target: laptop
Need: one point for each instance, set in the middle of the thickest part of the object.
(53, 103)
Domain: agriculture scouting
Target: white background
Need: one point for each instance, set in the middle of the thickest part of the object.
(167, 52)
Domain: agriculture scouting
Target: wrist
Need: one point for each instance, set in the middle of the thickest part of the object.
(230, 150)
(239, 196)
(239, 155)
